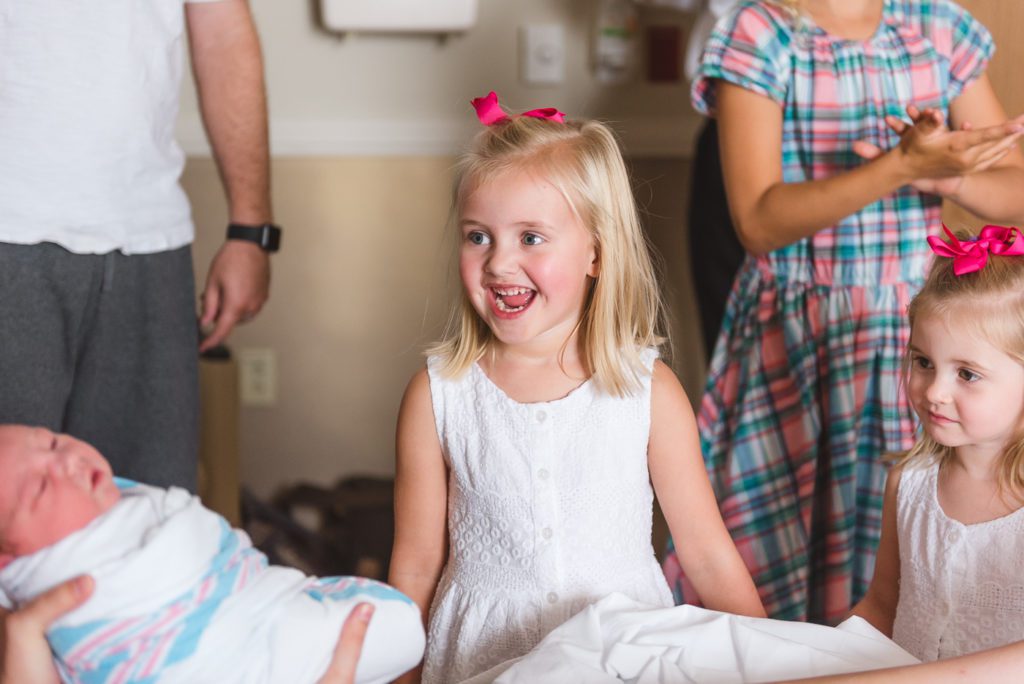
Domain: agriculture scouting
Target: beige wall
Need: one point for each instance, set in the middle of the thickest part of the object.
(1005, 19)
(357, 290)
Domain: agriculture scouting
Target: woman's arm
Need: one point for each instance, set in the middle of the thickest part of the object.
(1003, 664)
(993, 192)
(879, 605)
(769, 213)
(706, 551)
(421, 502)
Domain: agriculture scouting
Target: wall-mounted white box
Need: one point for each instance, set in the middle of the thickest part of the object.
(422, 16)
(542, 54)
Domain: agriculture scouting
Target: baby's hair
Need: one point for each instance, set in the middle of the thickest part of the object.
(990, 304)
(623, 313)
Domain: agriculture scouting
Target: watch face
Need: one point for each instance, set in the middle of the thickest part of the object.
(272, 238)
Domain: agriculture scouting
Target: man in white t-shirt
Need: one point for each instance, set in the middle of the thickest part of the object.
(98, 330)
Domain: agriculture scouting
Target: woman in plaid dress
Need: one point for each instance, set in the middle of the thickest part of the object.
(803, 395)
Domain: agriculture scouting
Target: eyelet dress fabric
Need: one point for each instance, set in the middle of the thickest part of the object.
(961, 586)
(549, 510)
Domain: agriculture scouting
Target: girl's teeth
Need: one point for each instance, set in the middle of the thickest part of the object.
(502, 306)
(513, 299)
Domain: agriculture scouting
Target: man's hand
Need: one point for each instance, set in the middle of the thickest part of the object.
(342, 669)
(237, 286)
(25, 656)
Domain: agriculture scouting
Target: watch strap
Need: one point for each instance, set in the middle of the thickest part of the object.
(267, 235)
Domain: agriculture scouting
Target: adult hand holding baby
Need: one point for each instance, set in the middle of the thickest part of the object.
(25, 656)
(342, 669)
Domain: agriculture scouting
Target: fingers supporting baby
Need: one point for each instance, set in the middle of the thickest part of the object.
(342, 669)
(24, 653)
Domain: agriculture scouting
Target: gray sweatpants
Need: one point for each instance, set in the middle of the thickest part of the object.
(104, 347)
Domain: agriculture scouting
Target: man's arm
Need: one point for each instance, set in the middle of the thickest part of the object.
(228, 68)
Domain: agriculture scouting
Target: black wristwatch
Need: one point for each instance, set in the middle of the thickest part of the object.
(267, 236)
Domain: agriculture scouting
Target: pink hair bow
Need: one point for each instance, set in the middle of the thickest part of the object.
(490, 113)
(972, 255)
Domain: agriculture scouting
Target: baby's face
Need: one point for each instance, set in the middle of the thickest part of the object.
(50, 486)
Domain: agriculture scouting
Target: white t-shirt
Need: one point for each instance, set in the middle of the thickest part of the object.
(88, 103)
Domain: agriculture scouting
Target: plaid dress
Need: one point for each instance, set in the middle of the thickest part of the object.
(803, 395)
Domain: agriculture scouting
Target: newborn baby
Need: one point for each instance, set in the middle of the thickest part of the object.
(180, 596)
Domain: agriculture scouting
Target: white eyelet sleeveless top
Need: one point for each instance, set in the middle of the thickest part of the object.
(549, 510)
(961, 586)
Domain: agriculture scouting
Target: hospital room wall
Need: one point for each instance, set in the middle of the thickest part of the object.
(364, 132)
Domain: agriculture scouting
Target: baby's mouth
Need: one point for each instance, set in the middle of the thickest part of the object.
(512, 299)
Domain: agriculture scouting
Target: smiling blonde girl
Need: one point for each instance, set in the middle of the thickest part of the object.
(527, 447)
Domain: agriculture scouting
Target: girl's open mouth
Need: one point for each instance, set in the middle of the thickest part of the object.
(512, 300)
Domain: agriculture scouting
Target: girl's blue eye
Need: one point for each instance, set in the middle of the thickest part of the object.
(478, 238)
(922, 362)
(968, 375)
(532, 239)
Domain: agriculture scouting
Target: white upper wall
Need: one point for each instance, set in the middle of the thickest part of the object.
(372, 94)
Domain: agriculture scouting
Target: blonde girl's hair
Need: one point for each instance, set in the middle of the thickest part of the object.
(990, 303)
(793, 7)
(623, 313)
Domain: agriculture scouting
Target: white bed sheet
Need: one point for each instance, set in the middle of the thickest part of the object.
(619, 640)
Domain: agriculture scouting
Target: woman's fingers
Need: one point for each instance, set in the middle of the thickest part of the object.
(37, 615)
(896, 124)
(24, 654)
(995, 152)
(1007, 132)
(866, 150)
(342, 669)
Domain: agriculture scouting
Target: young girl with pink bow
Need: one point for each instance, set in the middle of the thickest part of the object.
(949, 579)
(527, 447)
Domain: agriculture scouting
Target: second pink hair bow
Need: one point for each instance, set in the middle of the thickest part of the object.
(490, 113)
(972, 255)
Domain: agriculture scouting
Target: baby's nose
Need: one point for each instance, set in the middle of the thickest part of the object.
(73, 467)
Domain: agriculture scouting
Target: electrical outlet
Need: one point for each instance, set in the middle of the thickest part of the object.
(257, 376)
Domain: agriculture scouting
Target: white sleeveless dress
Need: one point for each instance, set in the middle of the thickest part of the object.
(961, 586)
(549, 510)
